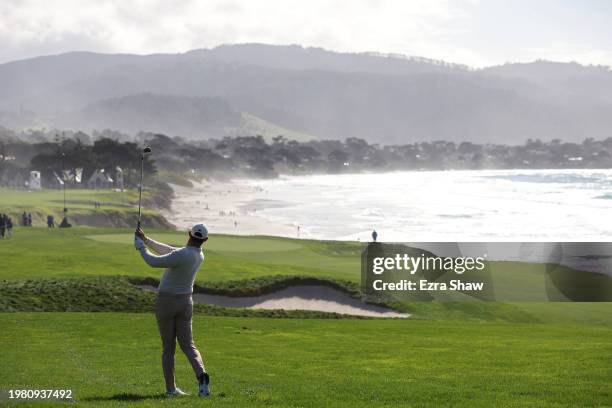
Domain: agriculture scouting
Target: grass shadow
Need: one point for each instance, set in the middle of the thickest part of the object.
(125, 396)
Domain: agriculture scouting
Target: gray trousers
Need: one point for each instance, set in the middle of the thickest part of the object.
(174, 313)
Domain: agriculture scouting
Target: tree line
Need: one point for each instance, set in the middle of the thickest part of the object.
(256, 156)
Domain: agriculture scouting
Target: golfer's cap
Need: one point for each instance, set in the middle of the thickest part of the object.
(199, 231)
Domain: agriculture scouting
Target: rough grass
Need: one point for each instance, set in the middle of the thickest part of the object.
(114, 294)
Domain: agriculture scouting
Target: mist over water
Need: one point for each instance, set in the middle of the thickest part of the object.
(485, 205)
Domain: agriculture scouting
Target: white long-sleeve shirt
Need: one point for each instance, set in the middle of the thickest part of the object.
(181, 265)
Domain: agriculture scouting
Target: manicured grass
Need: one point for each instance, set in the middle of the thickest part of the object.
(243, 264)
(75, 198)
(110, 359)
(38, 252)
(117, 207)
(467, 353)
(448, 353)
(222, 243)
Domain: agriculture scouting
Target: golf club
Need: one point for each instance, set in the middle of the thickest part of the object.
(145, 151)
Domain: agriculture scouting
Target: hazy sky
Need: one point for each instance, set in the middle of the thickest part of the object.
(472, 32)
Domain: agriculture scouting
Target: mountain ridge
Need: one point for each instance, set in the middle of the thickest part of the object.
(330, 95)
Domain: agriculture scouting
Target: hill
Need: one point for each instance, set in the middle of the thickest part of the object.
(381, 98)
(196, 117)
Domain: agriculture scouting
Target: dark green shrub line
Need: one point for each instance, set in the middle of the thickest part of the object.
(269, 284)
(114, 294)
(119, 294)
(262, 285)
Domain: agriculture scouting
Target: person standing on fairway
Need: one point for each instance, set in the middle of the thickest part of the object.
(174, 305)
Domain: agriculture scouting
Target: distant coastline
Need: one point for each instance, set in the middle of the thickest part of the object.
(226, 207)
(408, 206)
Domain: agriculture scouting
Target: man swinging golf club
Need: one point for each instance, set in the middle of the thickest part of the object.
(174, 305)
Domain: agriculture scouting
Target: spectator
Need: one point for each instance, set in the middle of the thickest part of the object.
(9, 227)
(24, 219)
(2, 225)
(29, 219)
(50, 221)
(374, 235)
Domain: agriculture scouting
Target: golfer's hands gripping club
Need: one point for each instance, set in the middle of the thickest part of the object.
(139, 239)
(140, 234)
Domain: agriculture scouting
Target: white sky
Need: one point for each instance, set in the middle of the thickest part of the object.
(473, 32)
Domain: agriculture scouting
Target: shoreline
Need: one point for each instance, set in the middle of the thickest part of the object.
(225, 207)
(403, 207)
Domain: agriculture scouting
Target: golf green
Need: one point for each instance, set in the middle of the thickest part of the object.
(83, 251)
(219, 243)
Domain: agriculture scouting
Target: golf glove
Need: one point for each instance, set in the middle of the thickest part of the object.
(139, 244)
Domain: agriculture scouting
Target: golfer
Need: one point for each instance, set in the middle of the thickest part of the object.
(174, 305)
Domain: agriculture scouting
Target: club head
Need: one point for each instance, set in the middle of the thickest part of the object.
(146, 150)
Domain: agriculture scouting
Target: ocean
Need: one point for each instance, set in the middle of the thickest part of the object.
(422, 206)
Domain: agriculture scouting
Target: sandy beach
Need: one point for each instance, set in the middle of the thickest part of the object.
(228, 207)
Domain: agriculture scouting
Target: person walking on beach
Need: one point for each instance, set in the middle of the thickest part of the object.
(174, 304)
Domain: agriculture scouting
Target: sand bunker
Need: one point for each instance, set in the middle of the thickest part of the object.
(303, 297)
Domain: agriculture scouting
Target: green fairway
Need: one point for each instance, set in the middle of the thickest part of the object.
(35, 253)
(107, 359)
(220, 243)
(88, 251)
(448, 353)
(53, 199)
(118, 208)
